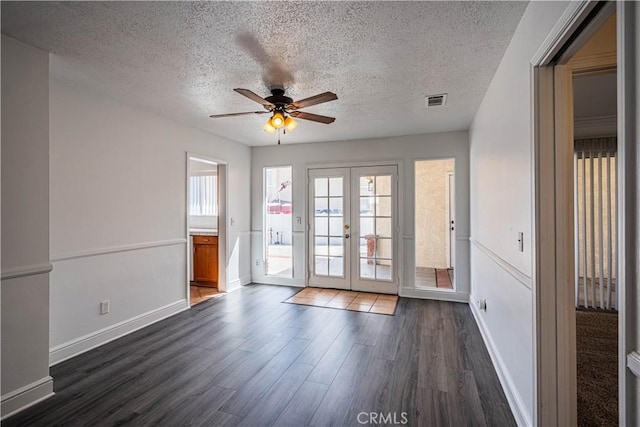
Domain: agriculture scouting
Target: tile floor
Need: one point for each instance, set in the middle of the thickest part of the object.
(199, 294)
(346, 300)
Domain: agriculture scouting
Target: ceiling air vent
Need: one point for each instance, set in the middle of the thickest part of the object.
(436, 100)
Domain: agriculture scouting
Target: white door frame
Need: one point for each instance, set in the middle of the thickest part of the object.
(222, 221)
(450, 213)
(398, 251)
(552, 240)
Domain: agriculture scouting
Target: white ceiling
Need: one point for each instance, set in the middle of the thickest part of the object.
(182, 59)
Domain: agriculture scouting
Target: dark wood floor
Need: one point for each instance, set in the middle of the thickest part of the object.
(248, 359)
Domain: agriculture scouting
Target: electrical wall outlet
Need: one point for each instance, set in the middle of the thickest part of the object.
(104, 307)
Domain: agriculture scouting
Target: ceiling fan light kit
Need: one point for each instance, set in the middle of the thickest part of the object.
(277, 120)
(283, 109)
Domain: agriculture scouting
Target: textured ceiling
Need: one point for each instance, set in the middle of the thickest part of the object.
(182, 59)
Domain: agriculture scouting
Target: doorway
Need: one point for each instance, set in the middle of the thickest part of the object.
(206, 228)
(353, 228)
(435, 224)
(573, 177)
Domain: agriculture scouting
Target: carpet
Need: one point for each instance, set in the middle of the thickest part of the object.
(597, 363)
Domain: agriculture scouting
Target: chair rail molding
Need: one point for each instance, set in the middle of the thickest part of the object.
(26, 270)
(116, 249)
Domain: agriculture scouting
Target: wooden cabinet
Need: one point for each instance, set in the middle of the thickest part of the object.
(205, 259)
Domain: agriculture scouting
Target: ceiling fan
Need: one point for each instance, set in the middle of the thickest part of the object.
(283, 109)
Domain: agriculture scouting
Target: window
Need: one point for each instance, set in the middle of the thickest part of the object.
(278, 222)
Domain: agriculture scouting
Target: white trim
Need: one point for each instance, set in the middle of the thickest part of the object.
(281, 281)
(518, 408)
(26, 396)
(633, 363)
(439, 295)
(562, 31)
(463, 238)
(121, 248)
(26, 270)
(95, 339)
(450, 243)
(516, 273)
(237, 283)
(275, 283)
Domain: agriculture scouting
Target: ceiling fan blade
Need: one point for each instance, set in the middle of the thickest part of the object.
(254, 97)
(313, 100)
(217, 116)
(313, 117)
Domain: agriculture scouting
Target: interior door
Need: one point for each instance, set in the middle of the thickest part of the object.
(353, 228)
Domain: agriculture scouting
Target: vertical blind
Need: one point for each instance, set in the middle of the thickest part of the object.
(203, 195)
(595, 205)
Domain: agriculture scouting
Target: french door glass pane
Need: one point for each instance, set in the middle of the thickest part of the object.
(383, 207)
(322, 266)
(321, 206)
(383, 185)
(335, 206)
(367, 269)
(383, 227)
(336, 266)
(322, 227)
(321, 186)
(335, 187)
(367, 206)
(367, 226)
(383, 269)
(335, 226)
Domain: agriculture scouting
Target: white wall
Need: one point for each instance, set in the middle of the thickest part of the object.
(404, 151)
(118, 216)
(25, 226)
(501, 206)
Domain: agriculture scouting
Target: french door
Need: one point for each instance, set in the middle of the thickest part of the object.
(353, 228)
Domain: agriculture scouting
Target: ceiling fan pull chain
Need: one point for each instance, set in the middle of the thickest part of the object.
(278, 136)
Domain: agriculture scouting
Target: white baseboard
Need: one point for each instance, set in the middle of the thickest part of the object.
(245, 280)
(522, 416)
(90, 341)
(434, 295)
(281, 281)
(25, 397)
